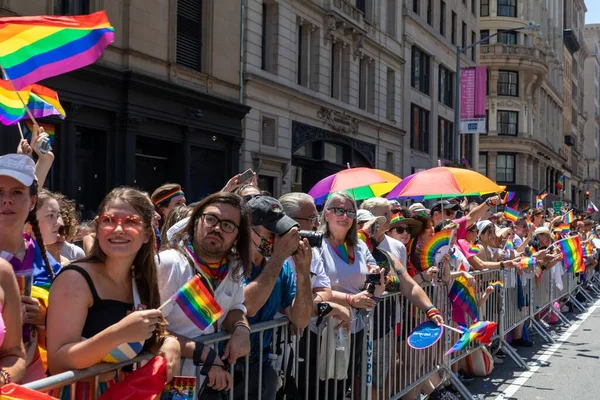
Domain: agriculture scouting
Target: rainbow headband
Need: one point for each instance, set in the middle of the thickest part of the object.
(167, 196)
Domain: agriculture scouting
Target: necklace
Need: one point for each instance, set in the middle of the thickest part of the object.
(216, 272)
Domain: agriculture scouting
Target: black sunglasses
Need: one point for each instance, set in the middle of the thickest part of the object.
(400, 230)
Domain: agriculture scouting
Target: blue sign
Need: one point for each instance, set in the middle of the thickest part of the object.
(425, 335)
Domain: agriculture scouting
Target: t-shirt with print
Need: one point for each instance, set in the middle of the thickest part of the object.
(395, 247)
(281, 297)
(456, 258)
(174, 270)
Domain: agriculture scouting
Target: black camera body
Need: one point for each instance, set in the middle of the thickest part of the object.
(372, 278)
(315, 239)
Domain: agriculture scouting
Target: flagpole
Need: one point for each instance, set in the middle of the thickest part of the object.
(164, 304)
(454, 329)
(20, 130)
(19, 95)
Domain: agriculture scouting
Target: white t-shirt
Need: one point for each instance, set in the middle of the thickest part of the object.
(72, 252)
(394, 247)
(318, 277)
(174, 271)
(456, 259)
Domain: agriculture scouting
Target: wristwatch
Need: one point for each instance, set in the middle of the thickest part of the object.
(501, 264)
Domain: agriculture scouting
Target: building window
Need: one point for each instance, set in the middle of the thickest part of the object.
(483, 34)
(419, 129)
(333, 153)
(307, 51)
(366, 86)
(391, 18)
(445, 139)
(430, 12)
(505, 37)
(445, 86)
(268, 132)
(508, 83)
(474, 7)
(507, 8)
(391, 94)
(508, 122)
(464, 35)
(189, 34)
(453, 28)
(473, 49)
(71, 7)
(336, 70)
(484, 8)
(389, 162)
(366, 6)
(420, 70)
(269, 36)
(442, 18)
(505, 168)
(483, 164)
(416, 6)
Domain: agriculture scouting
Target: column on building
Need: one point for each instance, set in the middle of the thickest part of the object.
(433, 114)
(492, 165)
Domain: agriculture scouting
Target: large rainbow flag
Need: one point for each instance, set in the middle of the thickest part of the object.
(463, 300)
(572, 254)
(11, 107)
(198, 303)
(39, 47)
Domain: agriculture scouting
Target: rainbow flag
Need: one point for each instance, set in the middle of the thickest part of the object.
(569, 217)
(433, 245)
(529, 251)
(588, 249)
(480, 331)
(510, 245)
(197, 303)
(50, 129)
(39, 47)
(13, 391)
(462, 296)
(508, 197)
(11, 107)
(474, 249)
(497, 284)
(527, 262)
(572, 254)
(43, 102)
(511, 214)
(539, 200)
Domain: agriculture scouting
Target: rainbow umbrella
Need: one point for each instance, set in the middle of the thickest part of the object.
(440, 182)
(361, 183)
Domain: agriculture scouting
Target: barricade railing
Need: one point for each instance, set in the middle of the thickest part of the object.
(374, 360)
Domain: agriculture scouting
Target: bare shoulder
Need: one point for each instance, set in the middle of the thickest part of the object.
(72, 284)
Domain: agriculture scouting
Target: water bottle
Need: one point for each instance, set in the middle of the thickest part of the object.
(341, 337)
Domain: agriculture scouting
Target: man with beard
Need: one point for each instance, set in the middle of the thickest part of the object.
(215, 246)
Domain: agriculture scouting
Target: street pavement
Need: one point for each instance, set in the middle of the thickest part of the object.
(565, 370)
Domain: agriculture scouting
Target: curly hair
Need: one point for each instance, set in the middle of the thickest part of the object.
(67, 209)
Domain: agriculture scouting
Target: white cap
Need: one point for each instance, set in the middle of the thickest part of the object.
(500, 232)
(417, 208)
(19, 167)
(481, 225)
(541, 230)
(366, 216)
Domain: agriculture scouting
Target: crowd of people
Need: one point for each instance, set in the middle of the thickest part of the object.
(74, 293)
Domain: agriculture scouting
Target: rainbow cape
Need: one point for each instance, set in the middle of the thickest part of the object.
(463, 300)
(197, 303)
(39, 47)
(497, 284)
(572, 254)
(433, 245)
(569, 217)
(11, 107)
(44, 102)
(511, 214)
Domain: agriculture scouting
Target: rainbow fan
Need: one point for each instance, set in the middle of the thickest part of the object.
(432, 246)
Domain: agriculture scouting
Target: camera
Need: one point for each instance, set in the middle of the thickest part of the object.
(315, 239)
(372, 278)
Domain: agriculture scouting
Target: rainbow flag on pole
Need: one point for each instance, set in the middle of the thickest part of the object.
(198, 303)
(511, 214)
(44, 102)
(508, 197)
(570, 217)
(11, 107)
(497, 284)
(588, 249)
(572, 254)
(462, 296)
(39, 47)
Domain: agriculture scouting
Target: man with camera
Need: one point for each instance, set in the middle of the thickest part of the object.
(271, 286)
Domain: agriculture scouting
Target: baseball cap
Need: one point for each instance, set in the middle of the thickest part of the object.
(366, 216)
(437, 206)
(19, 167)
(268, 212)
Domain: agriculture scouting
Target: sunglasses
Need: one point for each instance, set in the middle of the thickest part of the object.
(249, 197)
(128, 223)
(339, 211)
(400, 230)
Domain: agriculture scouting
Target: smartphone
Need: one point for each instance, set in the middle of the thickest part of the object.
(246, 176)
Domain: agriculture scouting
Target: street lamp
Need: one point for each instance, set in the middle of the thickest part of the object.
(462, 50)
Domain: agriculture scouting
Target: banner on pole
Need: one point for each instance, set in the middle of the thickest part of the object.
(472, 100)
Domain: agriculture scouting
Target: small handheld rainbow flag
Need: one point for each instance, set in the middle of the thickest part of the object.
(572, 254)
(588, 249)
(511, 214)
(529, 251)
(570, 217)
(497, 284)
(510, 245)
(44, 102)
(474, 249)
(462, 296)
(539, 200)
(197, 303)
(508, 197)
(527, 262)
(480, 331)
(433, 245)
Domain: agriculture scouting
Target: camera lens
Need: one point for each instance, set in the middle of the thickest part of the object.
(315, 239)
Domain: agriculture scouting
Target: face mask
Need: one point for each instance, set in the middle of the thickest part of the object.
(265, 247)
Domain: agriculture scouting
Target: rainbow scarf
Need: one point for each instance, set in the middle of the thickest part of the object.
(433, 245)
(11, 107)
(570, 217)
(463, 300)
(197, 303)
(214, 272)
(497, 284)
(511, 214)
(343, 253)
(572, 254)
(39, 47)
(168, 196)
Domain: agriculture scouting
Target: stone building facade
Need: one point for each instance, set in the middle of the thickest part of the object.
(591, 104)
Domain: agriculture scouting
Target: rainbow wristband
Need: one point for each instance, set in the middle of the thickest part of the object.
(432, 312)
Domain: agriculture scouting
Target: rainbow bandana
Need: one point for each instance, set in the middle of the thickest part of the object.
(168, 196)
